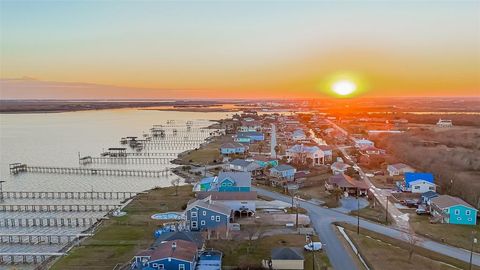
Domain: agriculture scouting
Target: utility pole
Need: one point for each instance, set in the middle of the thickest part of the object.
(474, 241)
(358, 212)
(386, 212)
(296, 219)
(1, 190)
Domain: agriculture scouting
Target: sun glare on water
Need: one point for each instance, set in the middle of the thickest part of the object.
(344, 88)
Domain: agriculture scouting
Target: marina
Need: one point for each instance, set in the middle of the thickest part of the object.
(55, 200)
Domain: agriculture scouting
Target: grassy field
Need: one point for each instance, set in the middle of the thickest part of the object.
(244, 253)
(120, 238)
(206, 154)
(376, 214)
(454, 235)
(381, 252)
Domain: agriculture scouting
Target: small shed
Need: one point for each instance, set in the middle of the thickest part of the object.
(287, 258)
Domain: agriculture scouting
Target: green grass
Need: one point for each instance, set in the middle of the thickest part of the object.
(455, 235)
(382, 252)
(376, 214)
(117, 240)
(244, 253)
(206, 154)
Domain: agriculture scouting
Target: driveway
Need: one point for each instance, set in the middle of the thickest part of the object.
(350, 204)
(322, 219)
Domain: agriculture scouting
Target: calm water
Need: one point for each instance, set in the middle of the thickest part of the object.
(55, 139)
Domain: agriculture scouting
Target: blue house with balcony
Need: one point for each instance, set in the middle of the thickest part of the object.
(416, 182)
(226, 182)
(265, 161)
(202, 215)
(176, 254)
(452, 210)
(283, 171)
(232, 148)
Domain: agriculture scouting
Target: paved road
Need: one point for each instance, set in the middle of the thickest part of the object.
(401, 219)
(322, 219)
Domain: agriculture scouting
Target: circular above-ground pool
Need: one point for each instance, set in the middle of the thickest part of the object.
(167, 216)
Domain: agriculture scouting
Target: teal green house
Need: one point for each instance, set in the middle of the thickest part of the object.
(452, 210)
(226, 182)
(265, 161)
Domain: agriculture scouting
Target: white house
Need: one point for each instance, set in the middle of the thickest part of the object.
(444, 123)
(301, 153)
(339, 167)
(244, 165)
(362, 143)
(422, 186)
(241, 203)
(298, 135)
(399, 169)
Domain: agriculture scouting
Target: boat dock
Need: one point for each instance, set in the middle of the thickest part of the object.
(125, 160)
(58, 207)
(46, 239)
(26, 257)
(47, 222)
(74, 195)
(87, 171)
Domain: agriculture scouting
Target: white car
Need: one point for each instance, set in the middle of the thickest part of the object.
(313, 246)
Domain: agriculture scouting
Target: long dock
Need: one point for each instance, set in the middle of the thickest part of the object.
(89, 171)
(151, 154)
(58, 207)
(125, 160)
(74, 195)
(37, 239)
(26, 257)
(47, 222)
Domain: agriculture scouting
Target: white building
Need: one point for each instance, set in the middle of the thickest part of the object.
(422, 186)
(298, 135)
(444, 123)
(362, 143)
(339, 167)
(399, 169)
(241, 203)
(301, 153)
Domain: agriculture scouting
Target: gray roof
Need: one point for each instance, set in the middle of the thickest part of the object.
(194, 237)
(283, 167)
(214, 206)
(287, 253)
(242, 179)
(430, 194)
(232, 145)
(241, 162)
(445, 201)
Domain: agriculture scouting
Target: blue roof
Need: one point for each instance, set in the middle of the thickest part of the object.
(207, 180)
(249, 134)
(414, 176)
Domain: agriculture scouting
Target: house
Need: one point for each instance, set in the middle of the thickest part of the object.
(283, 171)
(194, 237)
(204, 184)
(347, 184)
(361, 143)
(232, 148)
(302, 154)
(452, 210)
(247, 126)
(205, 214)
(298, 135)
(372, 150)
(444, 123)
(338, 167)
(254, 136)
(327, 152)
(176, 254)
(241, 139)
(244, 165)
(426, 197)
(399, 169)
(286, 258)
(231, 182)
(417, 182)
(241, 203)
(265, 161)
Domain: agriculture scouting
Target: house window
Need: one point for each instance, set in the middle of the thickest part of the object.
(202, 222)
(457, 212)
(154, 265)
(459, 218)
(417, 187)
(217, 219)
(431, 188)
(181, 266)
(469, 219)
(467, 212)
(161, 267)
(194, 224)
(204, 213)
(194, 214)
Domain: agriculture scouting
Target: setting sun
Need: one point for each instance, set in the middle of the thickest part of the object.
(344, 87)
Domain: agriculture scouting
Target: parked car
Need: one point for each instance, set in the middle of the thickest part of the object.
(422, 211)
(313, 246)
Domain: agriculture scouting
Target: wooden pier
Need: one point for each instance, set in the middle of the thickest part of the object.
(91, 171)
(125, 160)
(47, 222)
(26, 257)
(39, 239)
(74, 195)
(58, 207)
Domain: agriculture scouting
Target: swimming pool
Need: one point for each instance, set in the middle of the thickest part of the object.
(168, 215)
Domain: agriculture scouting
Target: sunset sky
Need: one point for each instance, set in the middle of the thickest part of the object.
(153, 49)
